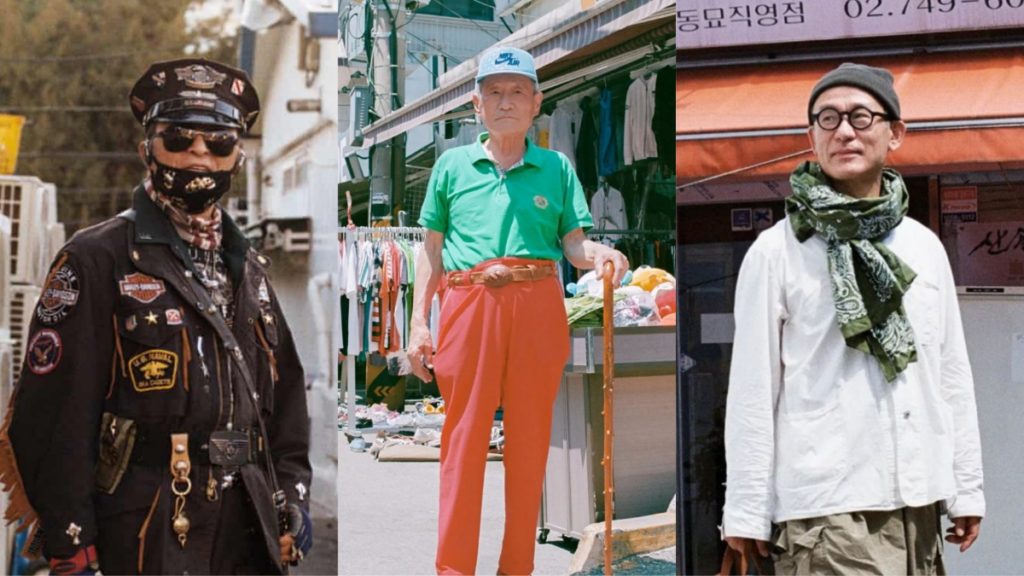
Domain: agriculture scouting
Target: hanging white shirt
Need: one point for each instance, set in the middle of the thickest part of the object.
(812, 427)
(608, 209)
(563, 129)
(639, 142)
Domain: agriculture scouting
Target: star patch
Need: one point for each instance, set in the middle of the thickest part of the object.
(154, 370)
(141, 287)
(44, 352)
(151, 318)
(59, 295)
(540, 202)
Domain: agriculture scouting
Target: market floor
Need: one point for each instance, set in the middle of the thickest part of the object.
(387, 517)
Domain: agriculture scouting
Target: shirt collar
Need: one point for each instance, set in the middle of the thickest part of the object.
(531, 156)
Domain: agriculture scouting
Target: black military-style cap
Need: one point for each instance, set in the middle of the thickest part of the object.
(195, 91)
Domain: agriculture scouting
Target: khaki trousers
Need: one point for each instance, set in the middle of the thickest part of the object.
(903, 541)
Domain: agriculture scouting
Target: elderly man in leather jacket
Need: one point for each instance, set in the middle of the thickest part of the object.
(160, 422)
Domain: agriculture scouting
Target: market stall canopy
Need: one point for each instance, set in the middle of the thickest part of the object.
(963, 110)
(565, 31)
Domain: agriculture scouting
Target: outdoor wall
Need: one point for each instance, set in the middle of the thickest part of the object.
(298, 178)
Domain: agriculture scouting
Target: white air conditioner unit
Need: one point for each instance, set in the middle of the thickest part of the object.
(6, 373)
(21, 200)
(5, 273)
(56, 236)
(23, 304)
(48, 210)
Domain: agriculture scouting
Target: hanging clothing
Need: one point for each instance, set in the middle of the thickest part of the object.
(563, 128)
(664, 121)
(608, 209)
(586, 147)
(607, 163)
(640, 143)
(541, 131)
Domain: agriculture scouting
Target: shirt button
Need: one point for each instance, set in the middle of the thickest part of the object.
(906, 415)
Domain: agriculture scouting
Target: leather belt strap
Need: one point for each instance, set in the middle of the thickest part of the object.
(150, 448)
(498, 275)
(181, 466)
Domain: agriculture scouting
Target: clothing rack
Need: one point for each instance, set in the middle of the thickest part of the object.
(666, 232)
(352, 236)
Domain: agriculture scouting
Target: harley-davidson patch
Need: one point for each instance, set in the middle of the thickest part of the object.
(59, 295)
(141, 287)
(154, 370)
(44, 352)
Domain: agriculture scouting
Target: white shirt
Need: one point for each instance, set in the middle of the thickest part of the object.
(608, 209)
(563, 129)
(639, 142)
(812, 427)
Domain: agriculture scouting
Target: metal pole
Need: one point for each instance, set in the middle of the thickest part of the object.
(609, 437)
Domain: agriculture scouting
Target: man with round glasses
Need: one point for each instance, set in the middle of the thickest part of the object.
(160, 423)
(851, 422)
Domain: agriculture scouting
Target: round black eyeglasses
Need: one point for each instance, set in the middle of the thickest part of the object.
(860, 118)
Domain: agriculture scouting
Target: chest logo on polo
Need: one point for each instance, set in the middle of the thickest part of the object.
(540, 202)
(154, 370)
(141, 287)
(59, 295)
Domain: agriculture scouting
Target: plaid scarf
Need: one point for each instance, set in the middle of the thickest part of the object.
(868, 279)
(203, 233)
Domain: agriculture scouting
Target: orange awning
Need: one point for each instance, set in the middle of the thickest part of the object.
(964, 110)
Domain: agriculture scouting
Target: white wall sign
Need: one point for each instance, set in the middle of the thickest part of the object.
(991, 254)
(713, 23)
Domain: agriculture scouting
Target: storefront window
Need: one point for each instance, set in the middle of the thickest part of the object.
(983, 228)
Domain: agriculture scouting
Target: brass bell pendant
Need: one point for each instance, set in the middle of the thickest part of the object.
(181, 526)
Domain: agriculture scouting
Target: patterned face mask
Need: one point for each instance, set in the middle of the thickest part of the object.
(190, 190)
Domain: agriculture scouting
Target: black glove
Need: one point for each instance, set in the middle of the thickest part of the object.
(84, 562)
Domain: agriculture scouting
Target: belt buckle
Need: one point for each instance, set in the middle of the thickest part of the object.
(497, 275)
(229, 448)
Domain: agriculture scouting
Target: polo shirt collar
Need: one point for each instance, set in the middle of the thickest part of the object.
(531, 156)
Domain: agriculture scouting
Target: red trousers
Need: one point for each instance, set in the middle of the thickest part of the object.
(496, 347)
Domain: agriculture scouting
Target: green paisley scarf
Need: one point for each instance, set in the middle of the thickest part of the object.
(868, 279)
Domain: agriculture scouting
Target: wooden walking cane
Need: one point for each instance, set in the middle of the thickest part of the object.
(609, 376)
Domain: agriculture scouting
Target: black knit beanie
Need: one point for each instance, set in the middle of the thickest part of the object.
(875, 81)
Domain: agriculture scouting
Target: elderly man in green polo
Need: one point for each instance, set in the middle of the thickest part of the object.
(499, 214)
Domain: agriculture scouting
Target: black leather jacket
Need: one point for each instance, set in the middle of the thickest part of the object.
(125, 327)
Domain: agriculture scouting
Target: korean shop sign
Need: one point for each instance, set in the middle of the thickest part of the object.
(716, 23)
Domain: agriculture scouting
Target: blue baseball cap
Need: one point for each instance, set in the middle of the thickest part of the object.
(506, 60)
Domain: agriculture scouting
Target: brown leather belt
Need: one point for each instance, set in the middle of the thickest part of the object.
(498, 275)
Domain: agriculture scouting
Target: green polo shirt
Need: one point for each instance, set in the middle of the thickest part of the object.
(484, 214)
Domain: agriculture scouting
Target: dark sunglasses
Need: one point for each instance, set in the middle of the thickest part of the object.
(219, 142)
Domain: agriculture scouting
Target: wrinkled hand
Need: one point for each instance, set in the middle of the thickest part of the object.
(618, 259)
(288, 550)
(964, 531)
(420, 351)
(742, 544)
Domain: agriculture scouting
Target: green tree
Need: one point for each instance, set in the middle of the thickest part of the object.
(67, 65)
